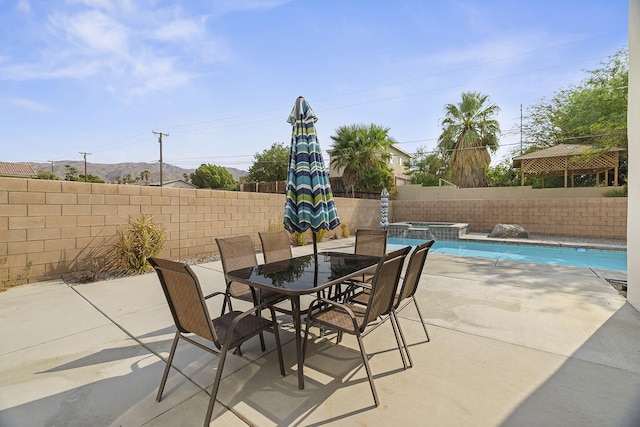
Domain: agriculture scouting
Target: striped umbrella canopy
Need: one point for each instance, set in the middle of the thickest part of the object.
(384, 208)
(309, 203)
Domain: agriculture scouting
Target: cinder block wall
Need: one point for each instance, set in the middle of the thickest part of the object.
(581, 217)
(56, 228)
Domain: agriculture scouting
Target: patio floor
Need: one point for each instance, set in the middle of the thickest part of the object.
(512, 344)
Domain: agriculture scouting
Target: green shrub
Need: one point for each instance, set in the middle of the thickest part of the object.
(618, 192)
(320, 235)
(142, 239)
(298, 239)
(345, 230)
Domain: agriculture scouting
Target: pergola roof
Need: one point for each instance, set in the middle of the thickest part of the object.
(562, 159)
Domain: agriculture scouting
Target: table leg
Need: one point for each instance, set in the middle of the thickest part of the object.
(297, 323)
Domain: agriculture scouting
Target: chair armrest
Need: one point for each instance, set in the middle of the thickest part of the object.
(335, 304)
(213, 294)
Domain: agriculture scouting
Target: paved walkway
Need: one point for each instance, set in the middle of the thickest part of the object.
(512, 344)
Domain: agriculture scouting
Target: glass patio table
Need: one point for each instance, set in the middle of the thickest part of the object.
(304, 275)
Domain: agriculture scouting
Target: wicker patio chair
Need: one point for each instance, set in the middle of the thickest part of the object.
(191, 316)
(276, 245)
(407, 291)
(357, 320)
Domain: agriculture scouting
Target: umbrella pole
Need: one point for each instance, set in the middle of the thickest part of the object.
(315, 258)
(315, 246)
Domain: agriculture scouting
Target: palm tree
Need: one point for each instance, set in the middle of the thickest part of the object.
(359, 149)
(144, 175)
(468, 129)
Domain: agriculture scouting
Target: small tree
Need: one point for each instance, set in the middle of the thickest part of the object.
(270, 165)
(427, 168)
(44, 174)
(212, 176)
(71, 173)
(91, 178)
(357, 150)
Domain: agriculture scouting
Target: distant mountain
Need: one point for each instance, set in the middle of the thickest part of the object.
(110, 172)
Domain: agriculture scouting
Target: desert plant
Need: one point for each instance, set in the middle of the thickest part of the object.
(320, 235)
(276, 225)
(345, 230)
(298, 239)
(142, 239)
(9, 280)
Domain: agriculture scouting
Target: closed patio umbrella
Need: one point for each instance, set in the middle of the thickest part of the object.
(384, 208)
(309, 203)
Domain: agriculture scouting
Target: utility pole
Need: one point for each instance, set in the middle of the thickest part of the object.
(521, 129)
(160, 135)
(51, 161)
(85, 165)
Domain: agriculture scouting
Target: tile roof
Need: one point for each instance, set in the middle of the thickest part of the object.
(21, 170)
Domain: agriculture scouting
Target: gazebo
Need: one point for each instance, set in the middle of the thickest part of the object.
(564, 159)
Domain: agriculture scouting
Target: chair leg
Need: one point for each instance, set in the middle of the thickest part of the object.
(168, 367)
(216, 386)
(397, 329)
(421, 319)
(365, 360)
(306, 336)
(402, 344)
(276, 334)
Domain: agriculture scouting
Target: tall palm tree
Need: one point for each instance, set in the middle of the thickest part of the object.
(358, 149)
(144, 175)
(468, 129)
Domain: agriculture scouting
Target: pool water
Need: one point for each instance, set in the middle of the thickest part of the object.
(579, 257)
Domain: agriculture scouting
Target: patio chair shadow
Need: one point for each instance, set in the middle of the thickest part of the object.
(329, 368)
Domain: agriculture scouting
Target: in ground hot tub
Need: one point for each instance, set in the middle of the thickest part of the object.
(427, 230)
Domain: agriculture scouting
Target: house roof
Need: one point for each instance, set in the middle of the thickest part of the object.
(19, 170)
(401, 151)
(173, 183)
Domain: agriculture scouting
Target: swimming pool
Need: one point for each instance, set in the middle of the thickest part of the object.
(579, 257)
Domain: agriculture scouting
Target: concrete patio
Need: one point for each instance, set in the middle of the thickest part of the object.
(512, 344)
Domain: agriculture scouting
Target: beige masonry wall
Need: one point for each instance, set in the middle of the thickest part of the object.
(53, 229)
(581, 217)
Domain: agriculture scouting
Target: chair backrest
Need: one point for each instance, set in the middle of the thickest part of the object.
(276, 245)
(184, 296)
(371, 242)
(235, 253)
(414, 271)
(385, 284)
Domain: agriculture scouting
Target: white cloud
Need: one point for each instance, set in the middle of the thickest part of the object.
(98, 4)
(28, 104)
(179, 29)
(24, 6)
(94, 31)
(129, 48)
(226, 6)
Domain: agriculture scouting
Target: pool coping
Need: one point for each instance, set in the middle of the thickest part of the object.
(482, 238)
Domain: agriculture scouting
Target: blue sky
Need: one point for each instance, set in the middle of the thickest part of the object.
(221, 76)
